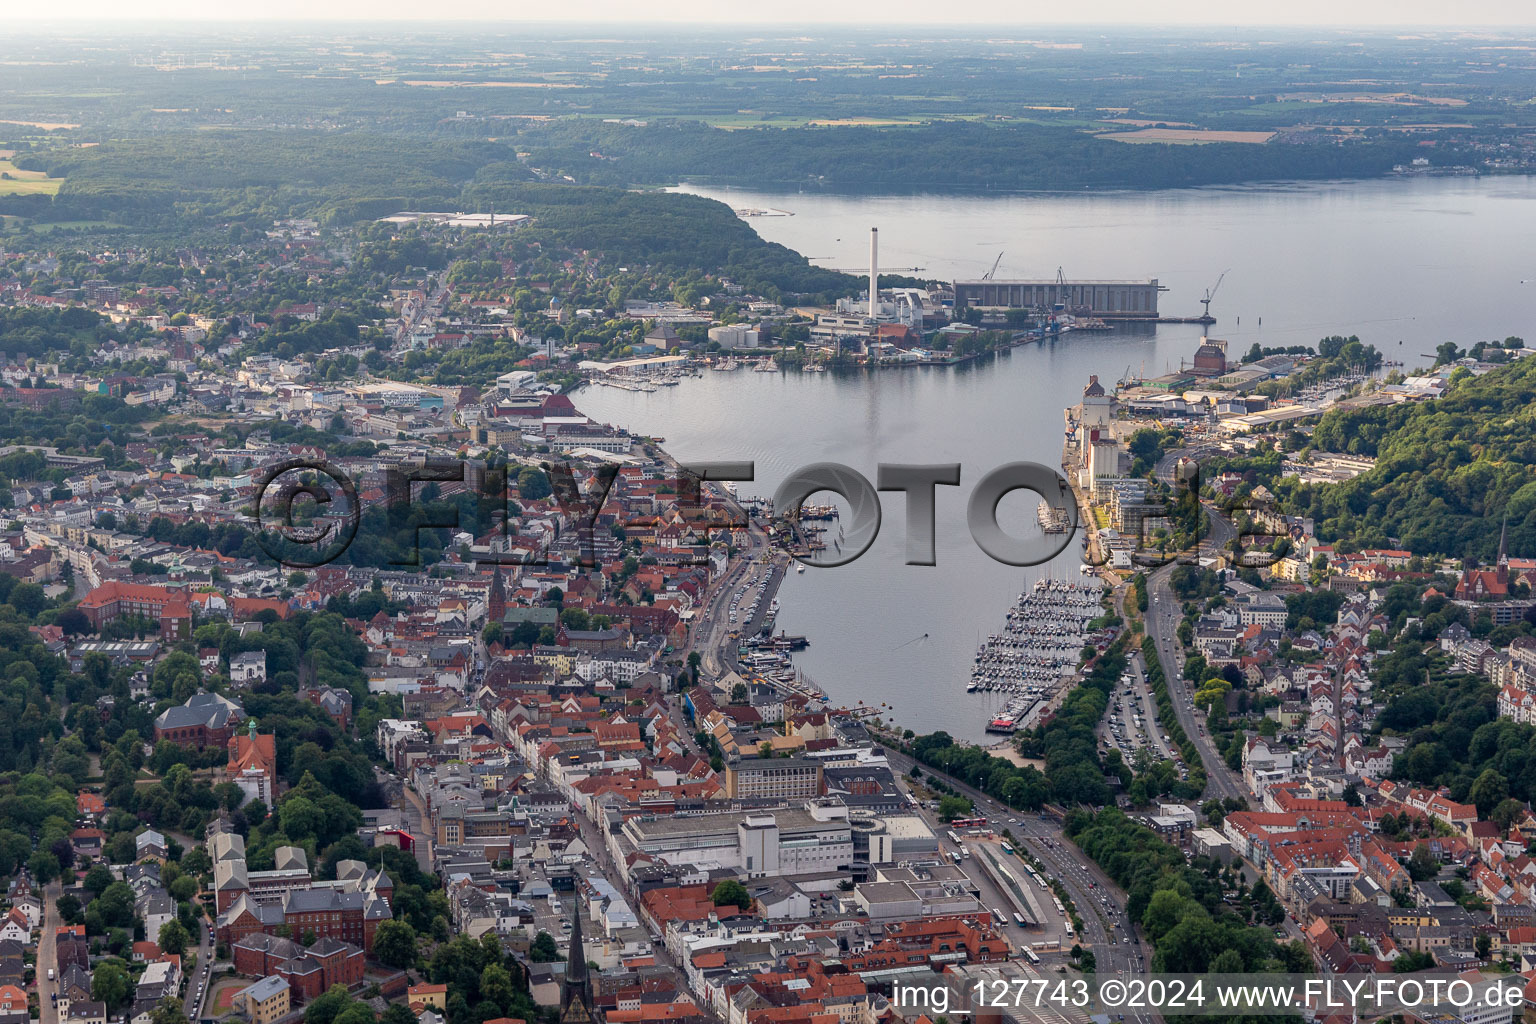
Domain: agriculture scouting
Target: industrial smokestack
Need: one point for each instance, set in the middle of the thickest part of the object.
(874, 272)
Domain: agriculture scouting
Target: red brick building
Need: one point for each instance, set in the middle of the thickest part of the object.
(351, 917)
(206, 719)
(113, 600)
(308, 972)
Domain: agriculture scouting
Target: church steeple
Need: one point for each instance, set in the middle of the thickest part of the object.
(576, 994)
(496, 602)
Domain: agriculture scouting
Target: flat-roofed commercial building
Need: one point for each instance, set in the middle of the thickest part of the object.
(774, 778)
(783, 841)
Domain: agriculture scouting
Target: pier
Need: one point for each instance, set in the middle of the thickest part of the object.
(1039, 648)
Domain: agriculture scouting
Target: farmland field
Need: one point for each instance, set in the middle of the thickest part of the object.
(1187, 136)
(18, 182)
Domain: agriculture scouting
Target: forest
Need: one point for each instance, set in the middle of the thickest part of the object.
(1448, 718)
(941, 155)
(184, 178)
(1448, 473)
(229, 180)
(1180, 904)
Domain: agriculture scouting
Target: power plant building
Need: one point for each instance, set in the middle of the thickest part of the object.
(1108, 300)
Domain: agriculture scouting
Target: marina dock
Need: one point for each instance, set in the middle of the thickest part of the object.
(1039, 648)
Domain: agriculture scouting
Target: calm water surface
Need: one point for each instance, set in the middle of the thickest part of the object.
(1405, 265)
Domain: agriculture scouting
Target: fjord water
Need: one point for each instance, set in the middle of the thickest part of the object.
(1418, 262)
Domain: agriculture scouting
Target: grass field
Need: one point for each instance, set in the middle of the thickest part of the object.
(15, 182)
(12, 223)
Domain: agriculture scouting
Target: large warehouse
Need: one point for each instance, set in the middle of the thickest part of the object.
(1109, 300)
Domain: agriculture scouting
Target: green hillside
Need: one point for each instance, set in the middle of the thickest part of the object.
(1447, 472)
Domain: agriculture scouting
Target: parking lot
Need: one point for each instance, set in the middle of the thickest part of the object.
(1130, 722)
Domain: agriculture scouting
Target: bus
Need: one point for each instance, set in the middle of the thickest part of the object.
(954, 837)
(1008, 849)
(1070, 932)
(954, 856)
(967, 822)
(1031, 955)
(1018, 919)
(999, 916)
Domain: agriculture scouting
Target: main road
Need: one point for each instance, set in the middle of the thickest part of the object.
(709, 636)
(1099, 902)
(1164, 610)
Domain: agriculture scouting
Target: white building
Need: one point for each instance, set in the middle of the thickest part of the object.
(785, 841)
(248, 668)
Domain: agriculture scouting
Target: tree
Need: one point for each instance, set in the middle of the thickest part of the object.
(73, 621)
(98, 878)
(69, 908)
(951, 807)
(1483, 946)
(1488, 791)
(496, 986)
(44, 866)
(394, 943)
(110, 985)
(168, 1011)
(115, 905)
(1228, 961)
(328, 1007)
(532, 484)
(1506, 812)
(544, 950)
(173, 937)
(1422, 865)
(730, 892)
(1412, 961)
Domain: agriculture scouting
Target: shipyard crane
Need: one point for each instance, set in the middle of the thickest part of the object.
(1210, 293)
(1061, 290)
(995, 264)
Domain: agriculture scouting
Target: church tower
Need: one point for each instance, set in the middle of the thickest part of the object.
(496, 603)
(576, 994)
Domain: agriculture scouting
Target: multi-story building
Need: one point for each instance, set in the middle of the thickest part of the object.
(206, 719)
(774, 778)
(266, 1001)
(784, 841)
(308, 972)
(163, 605)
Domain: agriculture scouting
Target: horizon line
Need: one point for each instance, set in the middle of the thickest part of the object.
(608, 26)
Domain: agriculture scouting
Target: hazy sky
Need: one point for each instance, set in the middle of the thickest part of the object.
(1004, 14)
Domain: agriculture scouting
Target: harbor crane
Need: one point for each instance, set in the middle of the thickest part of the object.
(1210, 293)
(1061, 288)
(995, 264)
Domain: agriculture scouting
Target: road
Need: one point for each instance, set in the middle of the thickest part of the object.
(48, 956)
(192, 1002)
(710, 633)
(1164, 610)
(1098, 900)
(598, 848)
